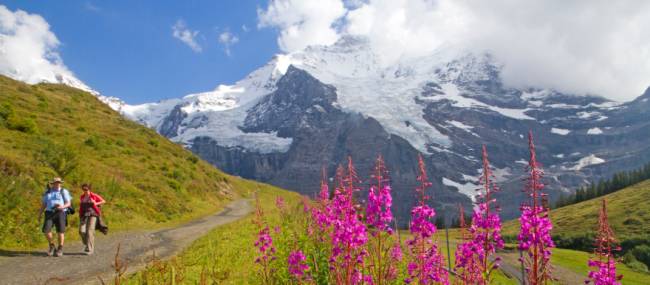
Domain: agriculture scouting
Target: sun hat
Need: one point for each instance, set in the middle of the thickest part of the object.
(57, 179)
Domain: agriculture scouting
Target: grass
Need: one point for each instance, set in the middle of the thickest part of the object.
(49, 130)
(223, 256)
(576, 261)
(629, 217)
(627, 209)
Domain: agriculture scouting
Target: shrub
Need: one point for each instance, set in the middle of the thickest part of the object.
(642, 253)
(630, 260)
(92, 141)
(22, 125)
(193, 159)
(62, 158)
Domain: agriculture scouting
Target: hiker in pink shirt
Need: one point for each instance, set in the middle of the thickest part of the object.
(89, 215)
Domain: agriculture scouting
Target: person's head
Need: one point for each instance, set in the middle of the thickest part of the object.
(57, 182)
(86, 187)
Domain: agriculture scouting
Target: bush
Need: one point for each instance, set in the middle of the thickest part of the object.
(630, 260)
(6, 110)
(92, 141)
(62, 158)
(193, 159)
(642, 253)
(22, 125)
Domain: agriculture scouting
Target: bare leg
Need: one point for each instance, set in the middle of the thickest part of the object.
(48, 235)
(61, 239)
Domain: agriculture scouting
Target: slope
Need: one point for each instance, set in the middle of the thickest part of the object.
(51, 130)
(628, 210)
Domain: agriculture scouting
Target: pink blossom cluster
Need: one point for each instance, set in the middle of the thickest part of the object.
(604, 264)
(535, 231)
(378, 209)
(426, 264)
(486, 229)
(604, 273)
(264, 244)
(297, 264)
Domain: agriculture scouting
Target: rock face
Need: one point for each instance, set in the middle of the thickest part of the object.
(310, 110)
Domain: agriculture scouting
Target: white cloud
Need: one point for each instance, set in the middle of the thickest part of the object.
(91, 7)
(303, 23)
(28, 50)
(227, 39)
(185, 35)
(598, 47)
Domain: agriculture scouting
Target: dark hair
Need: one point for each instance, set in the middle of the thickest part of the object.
(86, 185)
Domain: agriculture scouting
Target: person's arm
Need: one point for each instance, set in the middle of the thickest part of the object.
(43, 206)
(100, 200)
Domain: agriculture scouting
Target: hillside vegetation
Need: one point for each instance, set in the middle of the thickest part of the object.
(49, 130)
(628, 211)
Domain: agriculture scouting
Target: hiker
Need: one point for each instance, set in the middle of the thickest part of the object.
(55, 203)
(90, 217)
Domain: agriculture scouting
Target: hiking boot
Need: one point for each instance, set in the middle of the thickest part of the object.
(88, 252)
(50, 251)
(59, 251)
(86, 249)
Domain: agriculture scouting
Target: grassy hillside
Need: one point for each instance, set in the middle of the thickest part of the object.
(574, 226)
(628, 210)
(49, 130)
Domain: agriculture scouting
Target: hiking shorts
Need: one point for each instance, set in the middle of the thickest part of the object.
(58, 219)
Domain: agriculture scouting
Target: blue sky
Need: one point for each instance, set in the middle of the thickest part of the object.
(126, 48)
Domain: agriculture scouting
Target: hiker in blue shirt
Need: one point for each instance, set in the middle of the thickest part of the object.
(55, 203)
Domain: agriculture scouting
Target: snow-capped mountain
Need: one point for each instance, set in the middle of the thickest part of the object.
(311, 109)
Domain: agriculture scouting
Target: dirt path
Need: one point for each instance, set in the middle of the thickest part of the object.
(511, 265)
(137, 247)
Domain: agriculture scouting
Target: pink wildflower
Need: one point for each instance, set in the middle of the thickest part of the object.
(605, 262)
(297, 264)
(535, 234)
(426, 265)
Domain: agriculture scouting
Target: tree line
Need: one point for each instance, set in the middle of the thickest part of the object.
(618, 182)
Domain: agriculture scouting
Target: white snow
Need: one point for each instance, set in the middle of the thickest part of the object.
(644, 100)
(559, 155)
(594, 131)
(453, 94)
(562, 132)
(587, 115)
(460, 125)
(562, 106)
(587, 161)
(221, 111)
(521, 161)
(467, 188)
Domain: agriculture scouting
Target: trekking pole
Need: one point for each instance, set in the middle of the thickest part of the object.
(523, 271)
(448, 253)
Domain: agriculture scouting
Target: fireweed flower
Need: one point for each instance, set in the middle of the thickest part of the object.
(474, 256)
(383, 258)
(349, 234)
(535, 233)
(264, 245)
(604, 272)
(297, 264)
(467, 264)
(426, 265)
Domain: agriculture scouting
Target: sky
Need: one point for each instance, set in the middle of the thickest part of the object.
(144, 51)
